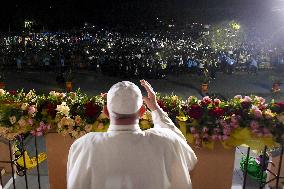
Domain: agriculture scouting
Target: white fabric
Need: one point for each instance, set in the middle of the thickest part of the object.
(124, 98)
(127, 158)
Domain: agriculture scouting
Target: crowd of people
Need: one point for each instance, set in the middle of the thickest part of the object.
(151, 54)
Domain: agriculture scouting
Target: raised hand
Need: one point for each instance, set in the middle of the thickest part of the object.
(150, 100)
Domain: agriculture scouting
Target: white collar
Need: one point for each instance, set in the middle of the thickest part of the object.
(114, 128)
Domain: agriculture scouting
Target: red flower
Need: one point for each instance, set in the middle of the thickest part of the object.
(13, 92)
(206, 101)
(216, 112)
(51, 109)
(162, 105)
(92, 110)
(195, 111)
(281, 105)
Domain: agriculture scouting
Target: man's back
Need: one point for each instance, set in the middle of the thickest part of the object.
(130, 159)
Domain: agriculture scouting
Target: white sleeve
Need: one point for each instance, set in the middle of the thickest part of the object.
(161, 120)
(76, 178)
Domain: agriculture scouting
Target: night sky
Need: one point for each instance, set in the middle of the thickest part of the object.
(67, 14)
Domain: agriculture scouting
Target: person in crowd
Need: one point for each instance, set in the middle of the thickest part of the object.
(19, 62)
(253, 66)
(46, 62)
(127, 157)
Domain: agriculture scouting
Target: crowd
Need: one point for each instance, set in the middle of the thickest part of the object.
(152, 54)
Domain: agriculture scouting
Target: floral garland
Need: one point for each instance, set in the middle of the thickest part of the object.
(240, 120)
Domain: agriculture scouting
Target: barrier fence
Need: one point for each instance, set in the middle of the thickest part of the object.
(266, 169)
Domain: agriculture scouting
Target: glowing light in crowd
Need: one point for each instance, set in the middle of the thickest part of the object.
(28, 24)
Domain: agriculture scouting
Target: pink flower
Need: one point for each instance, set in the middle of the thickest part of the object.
(217, 101)
(234, 119)
(220, 137)
(225, 137)
(254, 124)
(196, 135)
(216, 130)
(255, 131)
(265, 131)
(198, 142)
(238, 97)
(206, 98)
(31, 110)
(192, 130)
(247, 99)
(234, 125)
(223, 123)
(214, 137)
(30, 121)
(227, 131)
(36, 133)
(256, 111)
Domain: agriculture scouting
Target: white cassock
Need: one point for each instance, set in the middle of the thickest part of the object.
(125, 157)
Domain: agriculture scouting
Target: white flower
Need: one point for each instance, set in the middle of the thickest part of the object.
(57, 94)
(2, 92)
(63, 108)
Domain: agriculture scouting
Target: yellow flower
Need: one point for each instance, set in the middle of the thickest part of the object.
(175, 98)
(103, 116)
(88, 128)
(78, 120)
(66, 121)
(268, 114)
(147, 116)
(12, 119)
(24, 106)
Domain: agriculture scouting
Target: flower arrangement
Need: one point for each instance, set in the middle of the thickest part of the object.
(240, 120)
